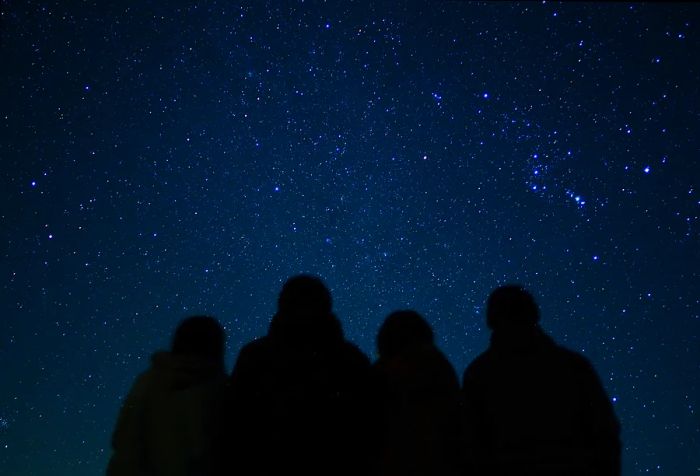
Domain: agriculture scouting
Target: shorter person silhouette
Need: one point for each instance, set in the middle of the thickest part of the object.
(418, 392)
(168, 423)
(531, 406)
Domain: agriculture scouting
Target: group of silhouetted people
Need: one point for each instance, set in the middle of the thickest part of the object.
(303, 400)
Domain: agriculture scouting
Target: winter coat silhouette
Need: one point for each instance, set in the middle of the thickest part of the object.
(300, 395)
(532, 406)
(418, 395)
(167, 424)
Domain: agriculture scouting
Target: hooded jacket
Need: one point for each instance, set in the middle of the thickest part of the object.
(418, 394)
(298, 401)
(167, 423)
(534, 407)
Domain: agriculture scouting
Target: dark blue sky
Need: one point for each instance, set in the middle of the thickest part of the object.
(159, 161)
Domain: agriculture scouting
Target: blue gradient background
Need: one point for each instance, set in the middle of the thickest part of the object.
(159, 161)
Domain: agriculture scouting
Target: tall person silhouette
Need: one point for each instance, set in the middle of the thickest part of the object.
(300, 395)
(532, 407)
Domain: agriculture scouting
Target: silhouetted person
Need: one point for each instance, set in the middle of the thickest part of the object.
(167, 425)
(531, 406)
(419, 399)
(299, 395)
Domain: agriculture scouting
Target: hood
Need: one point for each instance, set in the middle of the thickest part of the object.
(182, 371)
(522, 340)
(305, 330)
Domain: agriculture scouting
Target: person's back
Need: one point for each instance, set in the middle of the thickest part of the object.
(299, 395)
(167, 425)
(418, 393)
(531, 406)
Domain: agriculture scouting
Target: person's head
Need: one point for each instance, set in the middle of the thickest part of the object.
(511, 307)
(200, 336)
(305, 312)
(304, 295)
(403, 331)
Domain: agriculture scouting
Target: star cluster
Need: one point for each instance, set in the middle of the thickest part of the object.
(159, 161)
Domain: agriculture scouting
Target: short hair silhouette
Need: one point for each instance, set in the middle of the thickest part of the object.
(299, 397)
(305, 294)
(511, 306)
(532, 406)
(200, 336)
(401, 331)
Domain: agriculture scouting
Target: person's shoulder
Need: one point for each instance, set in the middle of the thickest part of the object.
(482, 359)
(352, 354)
(254, 351)
(147, 382)
(576, 360)
(256, 346)
(159, 366)
(439, 367)
(436, 356)
(479, 365)
(569, 354)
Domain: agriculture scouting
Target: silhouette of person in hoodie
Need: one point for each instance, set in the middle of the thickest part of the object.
(419, 400)
(532, 407)
(167, 424)
(299, 395)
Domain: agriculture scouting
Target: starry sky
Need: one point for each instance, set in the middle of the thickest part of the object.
(157, 162)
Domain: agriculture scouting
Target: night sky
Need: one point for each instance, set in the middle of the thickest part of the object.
(158, 162)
